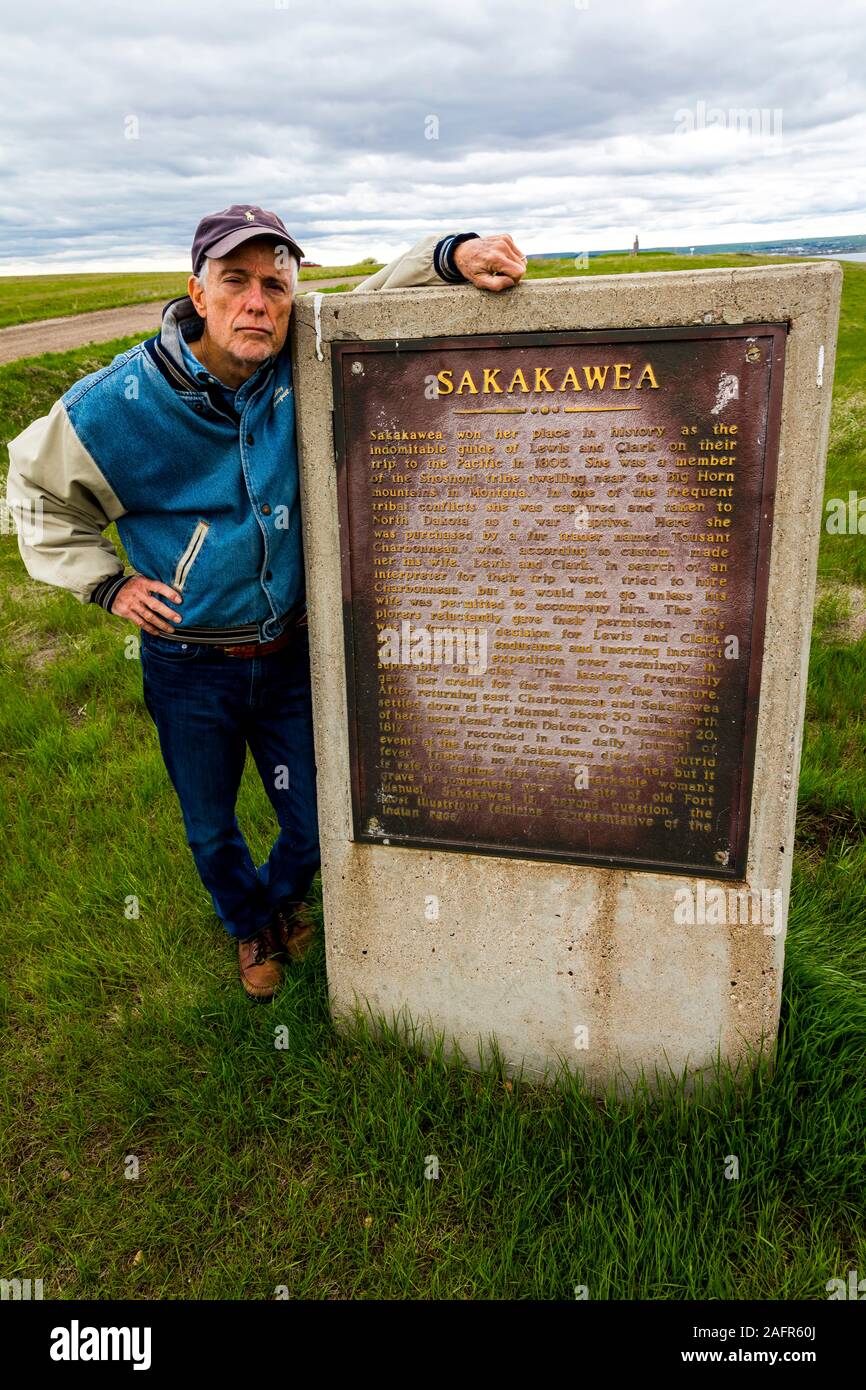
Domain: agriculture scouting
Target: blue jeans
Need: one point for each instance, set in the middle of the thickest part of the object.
(207, 708)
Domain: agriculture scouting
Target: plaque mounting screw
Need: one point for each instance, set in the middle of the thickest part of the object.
(357, 369)
(753, 353)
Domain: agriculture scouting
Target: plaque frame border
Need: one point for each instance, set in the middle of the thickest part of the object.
(777, 332)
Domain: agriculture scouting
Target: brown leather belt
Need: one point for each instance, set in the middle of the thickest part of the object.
(261, 648)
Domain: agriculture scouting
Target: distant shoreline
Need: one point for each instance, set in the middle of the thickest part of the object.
(837, 248)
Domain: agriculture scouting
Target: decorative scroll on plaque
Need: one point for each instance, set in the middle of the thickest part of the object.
(555, 556)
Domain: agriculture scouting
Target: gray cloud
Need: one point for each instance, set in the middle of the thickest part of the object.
(569, 127)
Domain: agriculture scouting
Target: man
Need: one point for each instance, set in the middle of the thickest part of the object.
(187, 441)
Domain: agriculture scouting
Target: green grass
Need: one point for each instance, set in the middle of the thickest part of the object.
(27, 298)
(336, 272)
(261, 1167)
(538, 269)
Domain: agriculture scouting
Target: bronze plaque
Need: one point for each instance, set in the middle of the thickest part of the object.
(555, 553)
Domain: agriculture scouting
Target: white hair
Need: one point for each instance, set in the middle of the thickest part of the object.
(205, 267)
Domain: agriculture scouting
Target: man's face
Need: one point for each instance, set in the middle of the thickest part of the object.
(246, 301)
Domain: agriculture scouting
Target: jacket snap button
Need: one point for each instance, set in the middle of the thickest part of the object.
(250, 439)
(266, 511)
(268, 574)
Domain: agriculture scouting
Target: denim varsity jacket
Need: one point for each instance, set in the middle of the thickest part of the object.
(205, 494)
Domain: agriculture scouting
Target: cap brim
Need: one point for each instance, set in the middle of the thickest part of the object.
(242, 234)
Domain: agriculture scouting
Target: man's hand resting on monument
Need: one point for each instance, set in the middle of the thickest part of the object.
(490, 262)
(136, 602)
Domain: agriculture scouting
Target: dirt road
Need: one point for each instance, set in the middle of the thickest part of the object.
(59, 335)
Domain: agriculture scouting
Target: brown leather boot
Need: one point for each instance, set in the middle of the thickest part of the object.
(259, 965)
(296, 929)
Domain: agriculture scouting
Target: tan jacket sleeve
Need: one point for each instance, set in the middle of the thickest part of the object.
(413, 268)
(61, 504)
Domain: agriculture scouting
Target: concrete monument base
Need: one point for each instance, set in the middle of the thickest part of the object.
(597, 966)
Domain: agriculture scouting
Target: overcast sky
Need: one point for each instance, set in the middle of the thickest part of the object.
(570, 125)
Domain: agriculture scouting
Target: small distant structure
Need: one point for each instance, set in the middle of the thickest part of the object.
(691, 250)
(635, 246)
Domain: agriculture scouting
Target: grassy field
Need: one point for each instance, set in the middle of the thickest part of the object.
(26, 298)
(260, 1167)
(625, 264)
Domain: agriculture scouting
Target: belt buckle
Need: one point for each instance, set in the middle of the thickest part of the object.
(242, 649)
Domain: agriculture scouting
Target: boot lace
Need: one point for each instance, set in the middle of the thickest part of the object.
(263, 947)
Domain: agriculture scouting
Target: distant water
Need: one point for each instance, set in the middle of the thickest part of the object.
(840, 248)
(837, 247)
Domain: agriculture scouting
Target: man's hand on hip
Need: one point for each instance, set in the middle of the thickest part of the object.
(136, 602)
(490, 262)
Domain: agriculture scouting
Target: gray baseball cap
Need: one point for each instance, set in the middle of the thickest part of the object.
(221, 232)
